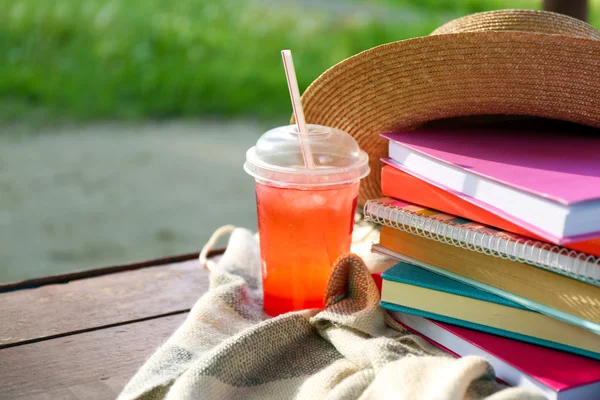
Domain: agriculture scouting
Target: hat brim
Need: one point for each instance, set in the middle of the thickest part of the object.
(404, 84)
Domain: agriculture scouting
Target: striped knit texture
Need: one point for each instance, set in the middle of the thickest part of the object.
(229, 349)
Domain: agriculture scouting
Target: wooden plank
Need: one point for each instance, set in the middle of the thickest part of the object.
(93, 365)
(89, 273)
(86, 304)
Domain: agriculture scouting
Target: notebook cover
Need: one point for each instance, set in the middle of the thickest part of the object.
(560, 240)
(405, 186)
(556, 369)
(590, 274)
(488, 329)
(564, 168)
(414, 275)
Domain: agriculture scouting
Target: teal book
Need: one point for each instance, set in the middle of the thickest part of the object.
(410, 289)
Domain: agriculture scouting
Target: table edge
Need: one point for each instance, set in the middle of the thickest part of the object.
(90, 273)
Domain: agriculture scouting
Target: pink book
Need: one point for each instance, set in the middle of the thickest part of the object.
(558, 375)
(548, 181)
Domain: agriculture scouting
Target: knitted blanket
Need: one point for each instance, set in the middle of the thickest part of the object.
(228, 348)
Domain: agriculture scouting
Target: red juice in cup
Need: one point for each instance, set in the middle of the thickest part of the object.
(302, 232)
(305, 215)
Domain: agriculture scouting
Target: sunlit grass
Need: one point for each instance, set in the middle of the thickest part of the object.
(93, 59)
(126, 59)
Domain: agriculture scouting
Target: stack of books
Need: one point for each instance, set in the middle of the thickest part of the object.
(497, 237)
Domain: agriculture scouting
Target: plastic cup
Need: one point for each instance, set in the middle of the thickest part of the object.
(305, 215)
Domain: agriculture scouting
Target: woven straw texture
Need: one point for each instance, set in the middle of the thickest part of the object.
(508, 62)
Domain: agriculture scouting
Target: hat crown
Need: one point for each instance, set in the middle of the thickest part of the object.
(532, 21)
(501, 63)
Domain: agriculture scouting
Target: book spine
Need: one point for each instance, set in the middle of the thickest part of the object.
(580, 266)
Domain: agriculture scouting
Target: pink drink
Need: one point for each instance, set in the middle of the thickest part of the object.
(302, 232)
(305, 215)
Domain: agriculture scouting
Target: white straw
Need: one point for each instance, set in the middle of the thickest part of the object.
(290, 73)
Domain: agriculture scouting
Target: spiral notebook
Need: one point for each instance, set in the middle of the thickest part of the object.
(467, 234)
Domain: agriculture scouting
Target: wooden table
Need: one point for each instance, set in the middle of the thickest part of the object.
(84, 335)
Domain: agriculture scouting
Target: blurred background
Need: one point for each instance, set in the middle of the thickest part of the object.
(124, 123)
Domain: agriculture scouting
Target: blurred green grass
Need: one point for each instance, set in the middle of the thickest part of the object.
(130, 59)
(464, 7)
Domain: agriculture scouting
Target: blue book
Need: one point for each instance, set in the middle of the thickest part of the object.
(410, 289)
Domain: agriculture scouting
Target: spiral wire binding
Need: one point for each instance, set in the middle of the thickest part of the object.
(550, 257)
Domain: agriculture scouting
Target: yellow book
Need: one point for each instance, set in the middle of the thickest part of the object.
(570, 297)
(411, 289)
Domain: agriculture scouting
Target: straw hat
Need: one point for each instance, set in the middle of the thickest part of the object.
(507, 62)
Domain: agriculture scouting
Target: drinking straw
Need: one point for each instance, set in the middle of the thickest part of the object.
(290, 73)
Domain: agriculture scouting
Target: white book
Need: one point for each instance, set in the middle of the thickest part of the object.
(549, 184)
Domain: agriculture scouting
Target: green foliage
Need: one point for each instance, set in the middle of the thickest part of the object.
(155, 58)
(127, 59)
(464, 7)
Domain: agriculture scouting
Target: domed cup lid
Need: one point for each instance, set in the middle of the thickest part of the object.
(277, 158)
